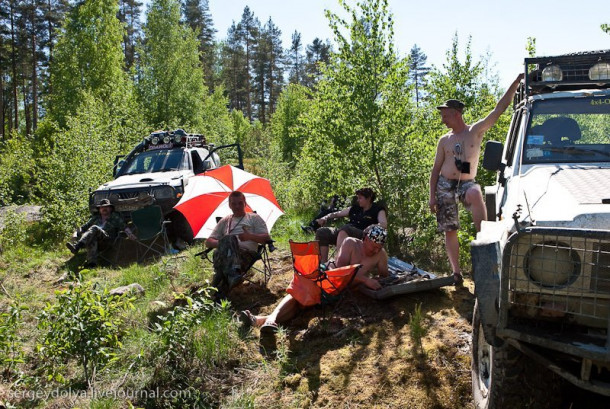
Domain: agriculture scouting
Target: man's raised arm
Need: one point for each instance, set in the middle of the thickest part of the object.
(484, 124)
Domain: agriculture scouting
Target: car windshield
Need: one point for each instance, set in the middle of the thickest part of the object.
(161, 160)
(569, 130)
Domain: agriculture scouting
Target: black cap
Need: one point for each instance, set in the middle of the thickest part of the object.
(453, 103)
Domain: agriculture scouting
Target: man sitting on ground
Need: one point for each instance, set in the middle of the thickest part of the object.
(236, 238)
(368, 252)
(104, 226)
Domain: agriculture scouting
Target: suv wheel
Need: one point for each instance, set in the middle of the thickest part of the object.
(501, 376)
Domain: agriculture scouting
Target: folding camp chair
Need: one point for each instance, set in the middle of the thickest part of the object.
(109, 251)
(330, 284)
(262, 255)
(151, 231)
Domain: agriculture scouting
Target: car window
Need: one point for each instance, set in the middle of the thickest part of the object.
(568, 131)
(161, 160)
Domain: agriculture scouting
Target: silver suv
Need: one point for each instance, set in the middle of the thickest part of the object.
(542, 260)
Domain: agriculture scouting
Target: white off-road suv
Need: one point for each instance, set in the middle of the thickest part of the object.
(542, 260)
(156, 172)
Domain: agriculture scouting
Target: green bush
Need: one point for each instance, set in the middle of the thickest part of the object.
(16, 169)
(11, 351)
(14, 231)
(176, 330)
(85, 325)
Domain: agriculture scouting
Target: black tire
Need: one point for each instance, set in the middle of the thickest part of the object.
(490, 380)
(502, 377)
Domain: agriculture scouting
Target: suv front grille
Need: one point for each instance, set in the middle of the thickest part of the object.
(128, 195)
(559, 274)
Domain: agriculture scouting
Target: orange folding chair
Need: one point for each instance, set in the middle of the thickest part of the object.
(313, 284)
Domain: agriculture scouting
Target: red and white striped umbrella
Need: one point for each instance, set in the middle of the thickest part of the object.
(206, 197)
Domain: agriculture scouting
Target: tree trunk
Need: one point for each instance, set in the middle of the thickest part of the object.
(50, 29)
(34, 80)
(14, 66)
(2, 113)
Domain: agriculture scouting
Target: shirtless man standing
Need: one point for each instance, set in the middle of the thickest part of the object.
(454, 170)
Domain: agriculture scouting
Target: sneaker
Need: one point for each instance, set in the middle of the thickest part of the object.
(73, 248)
(267, 338)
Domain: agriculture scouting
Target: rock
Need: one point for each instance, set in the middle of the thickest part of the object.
(133, 288)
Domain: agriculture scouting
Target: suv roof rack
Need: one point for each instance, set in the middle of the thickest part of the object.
(177, 137)
(590, 69)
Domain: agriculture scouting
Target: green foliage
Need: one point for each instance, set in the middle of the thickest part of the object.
(14, 231)
(80, 158)
(285, 123)
(605, 28)
(88, 59)
(83, 324)
(360, 109)
(531, 46)
(11, 350)
(195, 326)
(16, 169)
(417, 327)
(171, 86)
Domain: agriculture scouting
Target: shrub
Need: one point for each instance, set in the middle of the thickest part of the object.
(11, 351)
(83, 324)
(176, 329)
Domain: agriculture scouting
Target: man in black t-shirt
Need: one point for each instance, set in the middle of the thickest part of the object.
(361, 215)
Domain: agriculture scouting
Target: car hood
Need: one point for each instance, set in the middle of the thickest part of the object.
(172, 178)
(568, 196)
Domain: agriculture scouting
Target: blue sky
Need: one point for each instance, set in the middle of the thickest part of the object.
(497, 26)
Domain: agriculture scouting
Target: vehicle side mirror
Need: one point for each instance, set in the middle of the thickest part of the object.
(118, 163)
(492, 158)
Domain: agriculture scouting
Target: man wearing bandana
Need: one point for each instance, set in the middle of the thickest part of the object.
(368, 252)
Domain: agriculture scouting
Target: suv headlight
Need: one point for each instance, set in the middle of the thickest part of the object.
(600, 71)
(552, 265)
(552, 73)
(165, 192)
(98, 196)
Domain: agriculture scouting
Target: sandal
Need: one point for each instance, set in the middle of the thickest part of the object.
(458, 279)
(267, 337)
(246, 319)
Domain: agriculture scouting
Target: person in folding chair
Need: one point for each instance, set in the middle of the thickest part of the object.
(364, 212)
(368, 253)
(101, 229)
(236, 238)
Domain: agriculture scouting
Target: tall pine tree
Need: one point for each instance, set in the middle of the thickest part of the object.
(197, 16)
(234, 74)
(418, 71)
(129, 15)
(248, 30)
(317, 54)
(296, 60)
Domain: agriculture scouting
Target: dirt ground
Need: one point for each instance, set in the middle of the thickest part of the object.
(363, 354)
